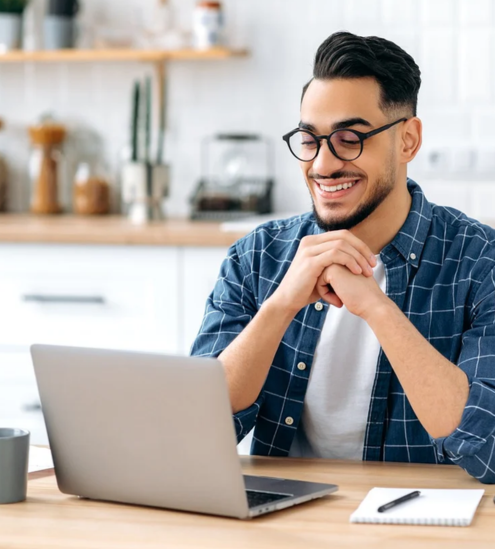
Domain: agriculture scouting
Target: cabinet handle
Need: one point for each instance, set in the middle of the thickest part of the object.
(40, 298)
(34, 407)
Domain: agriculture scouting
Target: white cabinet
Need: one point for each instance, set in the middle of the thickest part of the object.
(148, 298)
(19, 401)
(200, 268)
(108, 296)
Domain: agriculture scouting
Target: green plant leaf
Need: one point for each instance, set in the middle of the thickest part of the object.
(13, 6)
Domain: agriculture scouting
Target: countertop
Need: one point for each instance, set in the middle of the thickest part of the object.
(69, 229)
(118, 230)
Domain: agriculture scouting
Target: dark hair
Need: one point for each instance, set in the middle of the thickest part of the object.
(345, 55)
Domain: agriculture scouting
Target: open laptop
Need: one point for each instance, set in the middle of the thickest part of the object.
(152, 430)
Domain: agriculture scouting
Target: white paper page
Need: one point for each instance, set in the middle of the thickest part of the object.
(443, 507)
(39, 459)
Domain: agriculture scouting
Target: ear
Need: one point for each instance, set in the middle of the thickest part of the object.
(412, 137)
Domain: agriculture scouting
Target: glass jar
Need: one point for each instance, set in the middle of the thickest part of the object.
(208, 25)
(91, 192)
(47, 168)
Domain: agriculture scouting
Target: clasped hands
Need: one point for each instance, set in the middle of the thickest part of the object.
(335, 266)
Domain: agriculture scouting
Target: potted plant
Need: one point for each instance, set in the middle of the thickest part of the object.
(11, 23)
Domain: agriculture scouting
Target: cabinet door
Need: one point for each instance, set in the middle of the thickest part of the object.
(200, 268)
(19, 399)
(121, 297)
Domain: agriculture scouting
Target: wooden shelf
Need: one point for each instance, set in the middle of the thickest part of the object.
(98, 55)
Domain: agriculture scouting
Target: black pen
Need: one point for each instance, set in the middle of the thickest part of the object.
(398, 501)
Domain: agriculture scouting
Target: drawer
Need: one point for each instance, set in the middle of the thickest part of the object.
(19, 398)
(122, 297)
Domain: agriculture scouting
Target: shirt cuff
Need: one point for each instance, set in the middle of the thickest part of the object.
(477, 425)
(245, 419)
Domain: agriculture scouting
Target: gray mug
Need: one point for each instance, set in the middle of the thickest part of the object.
(14, 457)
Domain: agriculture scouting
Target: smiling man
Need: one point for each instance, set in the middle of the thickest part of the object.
(365, 329)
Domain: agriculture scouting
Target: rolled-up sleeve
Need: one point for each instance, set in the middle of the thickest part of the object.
(229, 308)
(245, 420)
(472, 444)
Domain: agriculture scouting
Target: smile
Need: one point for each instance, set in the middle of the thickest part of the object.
(341, 189)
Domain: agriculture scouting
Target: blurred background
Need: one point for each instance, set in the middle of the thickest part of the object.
(127, 115)
(451, 40)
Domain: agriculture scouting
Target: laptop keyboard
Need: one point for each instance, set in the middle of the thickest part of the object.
(256, 498)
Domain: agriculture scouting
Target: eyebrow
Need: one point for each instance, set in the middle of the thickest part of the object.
(342, 124)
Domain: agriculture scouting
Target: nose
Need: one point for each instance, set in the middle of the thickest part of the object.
(326, 162)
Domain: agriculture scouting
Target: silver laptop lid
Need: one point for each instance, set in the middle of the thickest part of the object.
(140, 428)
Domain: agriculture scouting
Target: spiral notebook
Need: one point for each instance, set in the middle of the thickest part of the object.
(432, 507)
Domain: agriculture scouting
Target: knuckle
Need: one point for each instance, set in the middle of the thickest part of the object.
(303, 243)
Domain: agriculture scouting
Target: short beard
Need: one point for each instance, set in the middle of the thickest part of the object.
(383, 187)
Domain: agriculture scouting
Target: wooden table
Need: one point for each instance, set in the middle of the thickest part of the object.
(53, 520)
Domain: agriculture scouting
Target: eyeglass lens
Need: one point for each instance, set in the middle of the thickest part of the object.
(346, 144)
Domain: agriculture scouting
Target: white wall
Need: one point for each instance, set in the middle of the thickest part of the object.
(452, 41)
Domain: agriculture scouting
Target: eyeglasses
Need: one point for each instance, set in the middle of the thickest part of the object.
(345, 144)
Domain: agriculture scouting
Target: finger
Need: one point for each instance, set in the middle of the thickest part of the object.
(356, 265)
(342, 246)
(327, 293)
(347, 236)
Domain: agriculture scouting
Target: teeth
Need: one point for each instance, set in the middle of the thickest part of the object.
(335, 188)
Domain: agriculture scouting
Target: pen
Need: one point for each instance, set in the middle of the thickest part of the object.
(398, 501)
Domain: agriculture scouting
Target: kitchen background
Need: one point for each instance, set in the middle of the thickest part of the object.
(151, 296)
(451, 40)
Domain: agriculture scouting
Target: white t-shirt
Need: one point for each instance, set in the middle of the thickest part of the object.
(338, 396)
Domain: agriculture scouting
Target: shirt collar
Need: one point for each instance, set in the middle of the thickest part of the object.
(411, 238)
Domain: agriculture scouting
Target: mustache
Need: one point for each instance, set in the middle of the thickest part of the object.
(335, 175)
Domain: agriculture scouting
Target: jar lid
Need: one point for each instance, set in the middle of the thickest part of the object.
(47, 133)
(212, 5)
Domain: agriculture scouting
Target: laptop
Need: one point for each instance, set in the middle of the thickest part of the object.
(151, 429)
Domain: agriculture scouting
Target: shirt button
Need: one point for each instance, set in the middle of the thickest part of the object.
(413, 256)
(318, 306)
(289, 420)
(301, 366)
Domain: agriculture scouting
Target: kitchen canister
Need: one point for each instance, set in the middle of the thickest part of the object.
(208, 25)
(59, 26)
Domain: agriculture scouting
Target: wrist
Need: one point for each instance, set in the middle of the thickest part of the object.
(380, 310)
(277, 305)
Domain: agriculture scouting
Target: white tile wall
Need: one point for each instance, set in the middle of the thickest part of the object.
(452, 41)
(475, 65)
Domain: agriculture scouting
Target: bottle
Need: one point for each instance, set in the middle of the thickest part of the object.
(3, 180)
(47, 168)
(208, 25)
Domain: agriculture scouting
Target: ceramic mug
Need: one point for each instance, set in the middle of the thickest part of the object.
(14, 459)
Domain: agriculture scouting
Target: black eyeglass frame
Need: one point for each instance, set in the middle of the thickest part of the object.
(362, 136)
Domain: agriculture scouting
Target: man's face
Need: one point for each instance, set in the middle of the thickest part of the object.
(329, 105)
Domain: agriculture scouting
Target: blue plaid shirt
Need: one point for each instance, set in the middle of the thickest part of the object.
(440, 271)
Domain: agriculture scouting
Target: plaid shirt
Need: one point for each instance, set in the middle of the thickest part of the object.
(440, 271)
